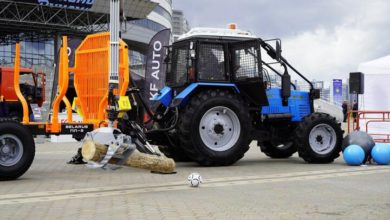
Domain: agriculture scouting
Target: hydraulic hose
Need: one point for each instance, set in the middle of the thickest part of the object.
(153, 116)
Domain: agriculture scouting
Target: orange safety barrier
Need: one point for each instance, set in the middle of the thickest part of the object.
(367, 118)
(91, 73)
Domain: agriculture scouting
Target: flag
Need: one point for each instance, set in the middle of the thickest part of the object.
(338, 91)
(155, 68)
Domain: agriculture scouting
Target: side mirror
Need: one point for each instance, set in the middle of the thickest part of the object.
(168, 54)
(192, 54)
(278, 50)
(192, 50)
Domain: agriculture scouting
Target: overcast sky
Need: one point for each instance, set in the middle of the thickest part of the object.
(324, 39)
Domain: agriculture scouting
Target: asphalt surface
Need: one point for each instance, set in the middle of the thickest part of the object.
(256, 187)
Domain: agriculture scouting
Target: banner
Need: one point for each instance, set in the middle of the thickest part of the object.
(71, 4)
(155, 68)
(338, 91)
(73, 44)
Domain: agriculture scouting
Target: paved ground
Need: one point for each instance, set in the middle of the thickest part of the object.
(255, 188)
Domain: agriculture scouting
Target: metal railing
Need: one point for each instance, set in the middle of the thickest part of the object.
(367, 119)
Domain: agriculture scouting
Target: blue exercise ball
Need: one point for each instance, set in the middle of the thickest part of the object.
(360, 138)
(354, 155)
(381, 153)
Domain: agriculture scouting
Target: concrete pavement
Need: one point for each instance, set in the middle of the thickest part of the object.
(254, 188)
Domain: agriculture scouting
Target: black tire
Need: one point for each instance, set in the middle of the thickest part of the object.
(278, 150)
(189, 128)
(15, 116)
(14, 132)
(315, 152)
(281, 144)
(173, 150)
(175, 153)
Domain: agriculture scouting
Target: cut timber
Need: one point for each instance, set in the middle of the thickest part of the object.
(95, 151)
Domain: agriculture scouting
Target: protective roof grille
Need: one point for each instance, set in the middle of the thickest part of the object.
(216, 32)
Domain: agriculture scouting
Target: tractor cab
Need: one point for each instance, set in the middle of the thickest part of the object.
(32, 85)
(212, 56)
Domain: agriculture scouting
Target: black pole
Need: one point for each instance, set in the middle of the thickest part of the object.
(57, 47)
(357, 101)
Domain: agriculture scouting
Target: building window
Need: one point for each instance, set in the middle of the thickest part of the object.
(163, 12)
(149, 24)
(32, 53)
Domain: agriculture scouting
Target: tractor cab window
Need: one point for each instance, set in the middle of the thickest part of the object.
(211, 62)
(26, 78)
(39, 79)
(246, 61)
(178, 68)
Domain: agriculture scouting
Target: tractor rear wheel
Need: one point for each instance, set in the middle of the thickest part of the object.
(214, 128)
(17, 149)
(318, 138)
(175, 152)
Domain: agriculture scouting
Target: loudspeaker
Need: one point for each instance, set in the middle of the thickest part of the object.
(356, 83)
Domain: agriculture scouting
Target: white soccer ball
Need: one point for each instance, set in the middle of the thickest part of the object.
(194, 179)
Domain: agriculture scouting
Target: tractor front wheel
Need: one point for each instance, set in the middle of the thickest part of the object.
(17, 149)
(215, 128)
(318, 138)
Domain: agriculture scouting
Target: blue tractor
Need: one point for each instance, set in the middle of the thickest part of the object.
(219, 97)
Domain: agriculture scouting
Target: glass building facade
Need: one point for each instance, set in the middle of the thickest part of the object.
(32, 53)
(38, 53)
(141, 31)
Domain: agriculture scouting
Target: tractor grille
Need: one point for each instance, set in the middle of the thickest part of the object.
(304, 110)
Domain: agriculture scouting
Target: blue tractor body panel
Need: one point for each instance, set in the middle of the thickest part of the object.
(164, 97)
(298, 104)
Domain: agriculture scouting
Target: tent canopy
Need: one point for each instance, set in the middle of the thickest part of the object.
(377, 66)
(376, 83)
(376, 95)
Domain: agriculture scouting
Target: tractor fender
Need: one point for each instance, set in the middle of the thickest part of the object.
(164, 97)
(182, 98)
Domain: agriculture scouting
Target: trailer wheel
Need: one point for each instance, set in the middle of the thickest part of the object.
(214, 128)
(318, 138)
(17, 149)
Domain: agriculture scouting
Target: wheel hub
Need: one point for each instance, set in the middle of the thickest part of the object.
(322, 138)
(319, 139)
(5, 150)
(11, 150)
(219, 128)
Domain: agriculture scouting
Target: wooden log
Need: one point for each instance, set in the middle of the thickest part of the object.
(95, 151)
